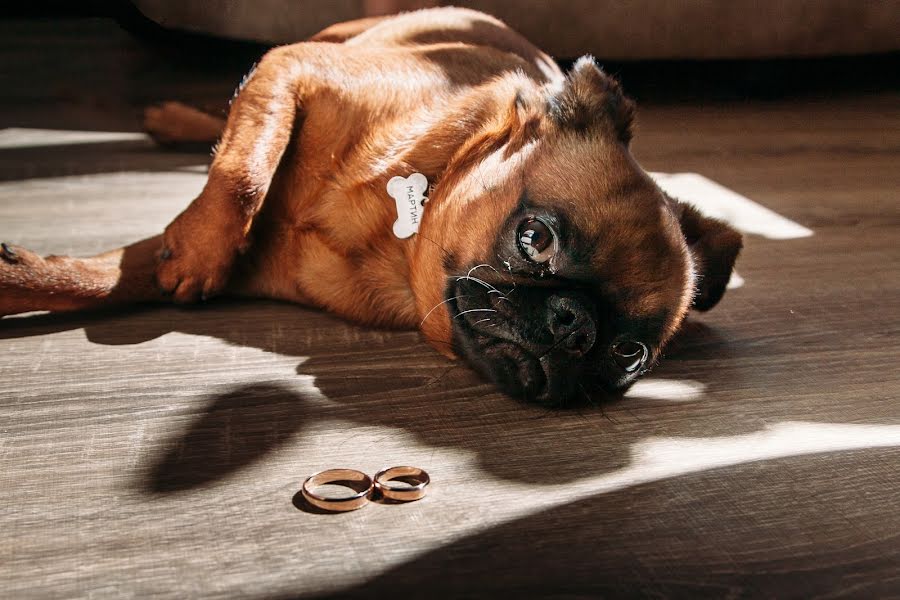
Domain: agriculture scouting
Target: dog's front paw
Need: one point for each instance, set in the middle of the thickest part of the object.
(196, 258)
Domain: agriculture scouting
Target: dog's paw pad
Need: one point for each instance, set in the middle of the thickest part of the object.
(179, 275)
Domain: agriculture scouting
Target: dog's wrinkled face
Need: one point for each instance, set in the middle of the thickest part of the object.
(573, 294)
(565, 269)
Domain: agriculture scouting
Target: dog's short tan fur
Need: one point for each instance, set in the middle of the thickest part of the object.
(295, 206)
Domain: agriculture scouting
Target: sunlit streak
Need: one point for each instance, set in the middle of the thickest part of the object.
(24, 137)
(666, 389)
(718, 201)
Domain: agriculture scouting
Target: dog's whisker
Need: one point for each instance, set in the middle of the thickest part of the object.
(506, 263)
(633, 414)
(471, 310)
(482, 282)
(442, 375)
(557, 343)
(596, 404)
(444, 251)
(477, 280)
(433, 308)
(483, 265)
(481, 321)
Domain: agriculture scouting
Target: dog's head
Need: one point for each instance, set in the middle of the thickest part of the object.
(550, 260)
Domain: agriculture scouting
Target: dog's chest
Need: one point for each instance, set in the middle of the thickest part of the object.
(343, 188)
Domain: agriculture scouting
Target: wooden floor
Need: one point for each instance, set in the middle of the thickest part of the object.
(158, 452)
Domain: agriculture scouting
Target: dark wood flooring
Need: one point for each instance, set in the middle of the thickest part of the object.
(157, 452)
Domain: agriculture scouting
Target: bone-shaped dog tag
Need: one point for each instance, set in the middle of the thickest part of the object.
(409, 195)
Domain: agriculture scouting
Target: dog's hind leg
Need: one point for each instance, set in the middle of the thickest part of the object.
(176, 123)
(29, 282)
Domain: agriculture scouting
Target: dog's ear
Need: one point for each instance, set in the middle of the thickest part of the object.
(714, 246)
(589, 97)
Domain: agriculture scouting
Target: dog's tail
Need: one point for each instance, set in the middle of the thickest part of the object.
(29, 282)
(176, 124)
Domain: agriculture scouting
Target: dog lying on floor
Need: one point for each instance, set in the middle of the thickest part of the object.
(430, 170)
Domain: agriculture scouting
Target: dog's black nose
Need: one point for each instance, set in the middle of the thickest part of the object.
(571, 324)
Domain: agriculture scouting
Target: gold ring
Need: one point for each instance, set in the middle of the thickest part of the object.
(415, 478)
(351, 478)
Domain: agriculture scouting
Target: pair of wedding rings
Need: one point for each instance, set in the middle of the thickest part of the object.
(413, 482)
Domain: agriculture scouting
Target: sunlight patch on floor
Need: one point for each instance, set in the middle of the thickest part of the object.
(461, 486)
(715, 200)
(26, 137)
(666, 389)
(658, 458)
(736, 281)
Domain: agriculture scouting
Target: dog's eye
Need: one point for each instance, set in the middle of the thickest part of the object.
(536, 240)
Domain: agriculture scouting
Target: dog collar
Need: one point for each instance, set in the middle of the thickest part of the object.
(409, 196)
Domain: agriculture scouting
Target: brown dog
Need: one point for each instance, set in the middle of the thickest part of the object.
(544, 255)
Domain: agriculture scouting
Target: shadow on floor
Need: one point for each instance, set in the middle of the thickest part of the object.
(65, 160)
(236, 430)
(443, 404)
(652, 541)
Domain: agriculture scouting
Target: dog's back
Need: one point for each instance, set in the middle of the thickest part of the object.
(442, 26)
(470, 46)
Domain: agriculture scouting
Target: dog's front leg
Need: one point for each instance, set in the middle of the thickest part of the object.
(201, 244)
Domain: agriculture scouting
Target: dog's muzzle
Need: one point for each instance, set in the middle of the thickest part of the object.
(549, 345)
